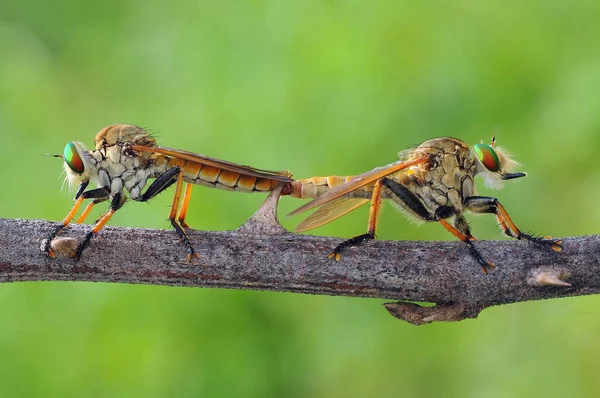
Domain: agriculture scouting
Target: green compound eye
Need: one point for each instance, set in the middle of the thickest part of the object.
(487, 156)
(73, 159)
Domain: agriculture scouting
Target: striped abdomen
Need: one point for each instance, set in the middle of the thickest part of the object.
(316, 186)
(214, 177)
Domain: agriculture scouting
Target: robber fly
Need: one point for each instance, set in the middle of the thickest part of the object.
(433, 182)
(126, 157)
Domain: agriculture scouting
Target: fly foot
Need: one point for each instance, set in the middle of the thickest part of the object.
(487, 266)
(555, 244)
(192, 254)
(336, 254)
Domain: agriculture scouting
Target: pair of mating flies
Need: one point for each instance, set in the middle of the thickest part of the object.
(432, 182)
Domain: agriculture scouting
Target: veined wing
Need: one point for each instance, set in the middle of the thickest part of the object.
(360, 181)
(329, 212)
(283, 176)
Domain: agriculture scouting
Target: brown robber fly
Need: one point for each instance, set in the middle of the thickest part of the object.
(126, 157)
(433, 182)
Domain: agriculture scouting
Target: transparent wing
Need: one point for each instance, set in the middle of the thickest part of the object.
(283, 176)
(359, 181)
(329, 212)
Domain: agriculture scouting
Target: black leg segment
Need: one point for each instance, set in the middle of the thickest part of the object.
(185, 239)
(163, 182)
(405, 198)
(357, 240)
(409, 200)
(81, 188)
(98, 194)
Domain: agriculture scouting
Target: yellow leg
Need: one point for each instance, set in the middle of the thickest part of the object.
(180, 231)
(512, 230)
(103, 220)
(184, 207)
(485, 265)
(85, 213)
(176, 197)
(73, 211)
(374, 208)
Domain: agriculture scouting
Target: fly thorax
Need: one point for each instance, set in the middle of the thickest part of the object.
(135, 180)
(118, 154)
(114, 154)
(119, 134)
(115, 170)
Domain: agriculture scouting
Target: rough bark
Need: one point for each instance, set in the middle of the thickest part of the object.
(263, 256)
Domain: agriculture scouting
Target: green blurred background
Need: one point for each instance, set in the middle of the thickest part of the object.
(316, 87)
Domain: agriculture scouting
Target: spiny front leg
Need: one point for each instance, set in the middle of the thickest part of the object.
(374, 207)
(485, 204)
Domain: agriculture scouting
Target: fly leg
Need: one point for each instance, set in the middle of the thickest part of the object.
(88, 208)
(373, 214)
(460, 229)
(184, 206)
(170, 177)
(163, 182)
(178, 228)
(485, 204)
(115, 204)
(99, 194)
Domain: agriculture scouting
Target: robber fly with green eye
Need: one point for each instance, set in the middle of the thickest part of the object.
(126, 158)
(433, 182)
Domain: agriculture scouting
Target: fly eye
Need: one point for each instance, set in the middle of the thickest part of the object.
(73, 159)
(487, 156)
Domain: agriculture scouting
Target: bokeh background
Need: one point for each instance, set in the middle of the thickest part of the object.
(316, 87)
